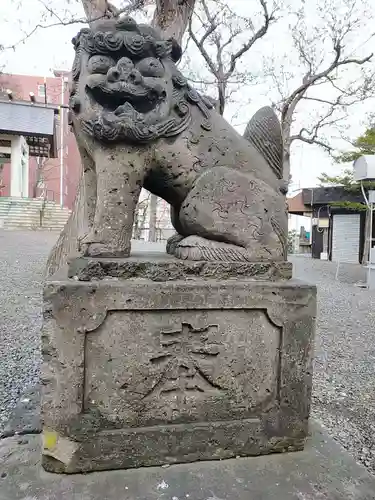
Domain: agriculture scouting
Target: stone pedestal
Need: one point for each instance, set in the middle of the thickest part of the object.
(140, 372)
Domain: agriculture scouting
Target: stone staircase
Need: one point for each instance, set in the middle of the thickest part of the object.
(32, 213)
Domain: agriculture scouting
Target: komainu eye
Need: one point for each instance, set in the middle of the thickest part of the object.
(151, 67)
(100, 64)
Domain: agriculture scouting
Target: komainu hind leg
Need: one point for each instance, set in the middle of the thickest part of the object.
(198, 248)
(235, 217)
(173, 241)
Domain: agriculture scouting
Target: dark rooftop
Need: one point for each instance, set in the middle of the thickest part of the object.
(35, 122)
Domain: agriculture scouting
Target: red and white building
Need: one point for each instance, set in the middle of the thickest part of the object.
(55, 179)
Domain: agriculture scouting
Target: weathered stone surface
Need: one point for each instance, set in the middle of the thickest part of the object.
(156, 361)
(137, 372)
(139, 123)
(323, 470)
(160, 267)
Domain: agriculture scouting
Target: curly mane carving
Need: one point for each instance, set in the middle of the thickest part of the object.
(126, 39)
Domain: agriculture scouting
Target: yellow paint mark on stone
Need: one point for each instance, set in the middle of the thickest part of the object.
(50, 439)
(58, 447)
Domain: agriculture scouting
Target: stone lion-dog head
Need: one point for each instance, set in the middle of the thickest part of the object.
(126, 86)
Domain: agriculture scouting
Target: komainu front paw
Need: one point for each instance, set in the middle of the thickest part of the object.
(92, 246)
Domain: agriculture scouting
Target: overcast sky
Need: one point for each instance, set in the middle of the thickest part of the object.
(49, 49)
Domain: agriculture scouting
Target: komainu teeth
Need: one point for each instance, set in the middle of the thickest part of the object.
(126, 108)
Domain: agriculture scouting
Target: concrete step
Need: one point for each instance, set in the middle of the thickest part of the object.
(19, 212)
(54, 220)
(23, 213)
(49, 215)
(56, 229)
(54, 223)
(23, 205)
(26, 218)
(56, 211)
(49, 227)
(31, 202)
(56, 214)
(25, 210)
(29, 222)
(57, 217)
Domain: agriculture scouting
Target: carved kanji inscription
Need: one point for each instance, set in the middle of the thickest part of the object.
(185, 360)
(182, 366)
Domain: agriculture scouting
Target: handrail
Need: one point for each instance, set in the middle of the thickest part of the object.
(44, 194)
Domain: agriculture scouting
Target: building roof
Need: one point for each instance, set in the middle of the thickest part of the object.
(308, 198)
(296, 205)
(329, 194)
(34, 121)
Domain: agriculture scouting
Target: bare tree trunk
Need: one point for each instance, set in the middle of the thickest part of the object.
(222, 91)
(97, 9)
(172, 17)
(286, 165)
(286, 127)
(153, 213)
(136, 230)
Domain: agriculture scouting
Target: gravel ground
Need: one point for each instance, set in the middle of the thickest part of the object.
(344, 377)
(22, 260)
(344, 371)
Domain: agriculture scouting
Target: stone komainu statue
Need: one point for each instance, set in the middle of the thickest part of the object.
(141, 369)
(138, 123)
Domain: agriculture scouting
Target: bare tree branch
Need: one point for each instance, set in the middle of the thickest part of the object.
(310, 80)
(337, 27)
(247, 46)
(219, 28)
(315, 140)
(202, 50)
(95, 11)
(317, 99)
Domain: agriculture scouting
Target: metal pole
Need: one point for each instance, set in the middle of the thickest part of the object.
(370, 205)
(369, 263)
(62, 143)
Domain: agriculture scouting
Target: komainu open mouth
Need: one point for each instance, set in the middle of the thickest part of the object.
(116, 95)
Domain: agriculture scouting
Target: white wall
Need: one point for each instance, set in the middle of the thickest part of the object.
(19, 174)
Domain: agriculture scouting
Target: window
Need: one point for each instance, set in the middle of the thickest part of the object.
(41, 91)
